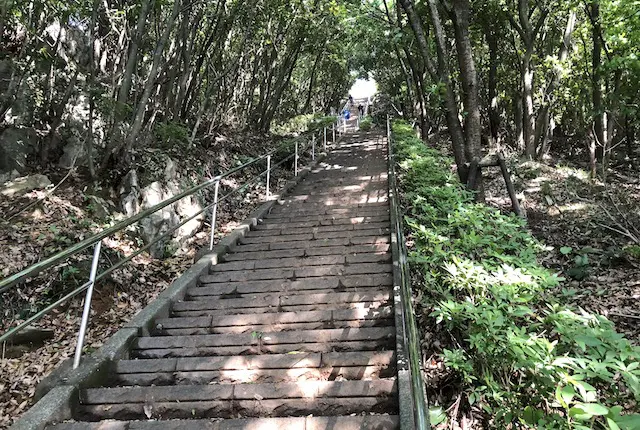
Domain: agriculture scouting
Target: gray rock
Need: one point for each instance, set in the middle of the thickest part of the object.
(74, 153)
(24, 185)
(170, 170)
(9, 176)
(100, 207)
(130, 194)
(158, 223)
(134, 199)
(15, 145)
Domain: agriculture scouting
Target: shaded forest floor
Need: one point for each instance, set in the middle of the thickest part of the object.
(592, 229)
(69, 215)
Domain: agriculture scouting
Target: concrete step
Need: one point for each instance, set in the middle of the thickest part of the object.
(277, 224)
(244, 408)
(309, 244)
(270, 262)
(195, 393)
(272, 322)
(367, 422)
(261, 237)
(269, 338)
(309, 252)
(294, 273)
(256, 368)
(279, 300)
(285, 217)
(286, 230)
(337, 283)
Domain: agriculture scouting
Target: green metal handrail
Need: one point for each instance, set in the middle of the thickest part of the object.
(410, 327)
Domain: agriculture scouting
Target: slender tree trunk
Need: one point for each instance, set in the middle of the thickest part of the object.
(125, 86)
(528, 120)
(92, 78)
(468, 76)
(451, 105)
(544, 114)
(312, 78)
(494, 117)
(153, 74)
(148, 87)
(596, 74)
(519, 121)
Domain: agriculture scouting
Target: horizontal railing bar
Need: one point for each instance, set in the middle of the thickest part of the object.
(281, 162)
(34, 269)
(9, 333)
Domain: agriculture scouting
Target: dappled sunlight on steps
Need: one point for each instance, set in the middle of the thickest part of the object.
(297, 322)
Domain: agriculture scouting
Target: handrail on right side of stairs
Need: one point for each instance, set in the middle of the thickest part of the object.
(411, 337)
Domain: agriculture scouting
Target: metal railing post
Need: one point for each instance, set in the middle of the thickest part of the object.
(295, 169)
(214, 213)
(324, 142)
(313, 147)
(344, 126)
(333, 129)
(87, 304)
(268, 173)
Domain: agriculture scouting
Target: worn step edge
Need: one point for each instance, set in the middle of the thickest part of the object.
(368, 422)
(289, 348)
(279, 318)
(257, 362)
(247, 408)
(267, 339)
(197, 393)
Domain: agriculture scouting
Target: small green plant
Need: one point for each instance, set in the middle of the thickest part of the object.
(633, 251)
(171, 134)
(365, 124)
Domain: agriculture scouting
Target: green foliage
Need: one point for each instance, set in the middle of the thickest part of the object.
(365, 124)
(171, 134)
(521, 356)
(303, 123)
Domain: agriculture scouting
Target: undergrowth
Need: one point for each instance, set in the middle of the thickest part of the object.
(520, 355)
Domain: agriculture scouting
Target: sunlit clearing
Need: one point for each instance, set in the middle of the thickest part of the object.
(363, 88)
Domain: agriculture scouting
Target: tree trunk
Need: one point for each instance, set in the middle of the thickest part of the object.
(494, 117)
(125, 86)
(455, 128)
(153, 74)
(596, 74)
(312, 78)
(528, 120)
(92, 78)
(544, 115)
(468, 76)
(148, 87)
(519, 121)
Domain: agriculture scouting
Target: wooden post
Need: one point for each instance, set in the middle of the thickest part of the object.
(510, 188)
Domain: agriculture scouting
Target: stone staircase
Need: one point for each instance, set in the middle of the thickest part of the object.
(293, 330)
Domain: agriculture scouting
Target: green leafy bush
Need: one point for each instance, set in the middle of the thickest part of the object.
(521, 356)
(365, 124)
(303, 123)
(172, 133)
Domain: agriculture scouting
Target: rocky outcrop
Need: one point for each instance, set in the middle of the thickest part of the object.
(24, 185)
(16, 144)
(134, 199)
